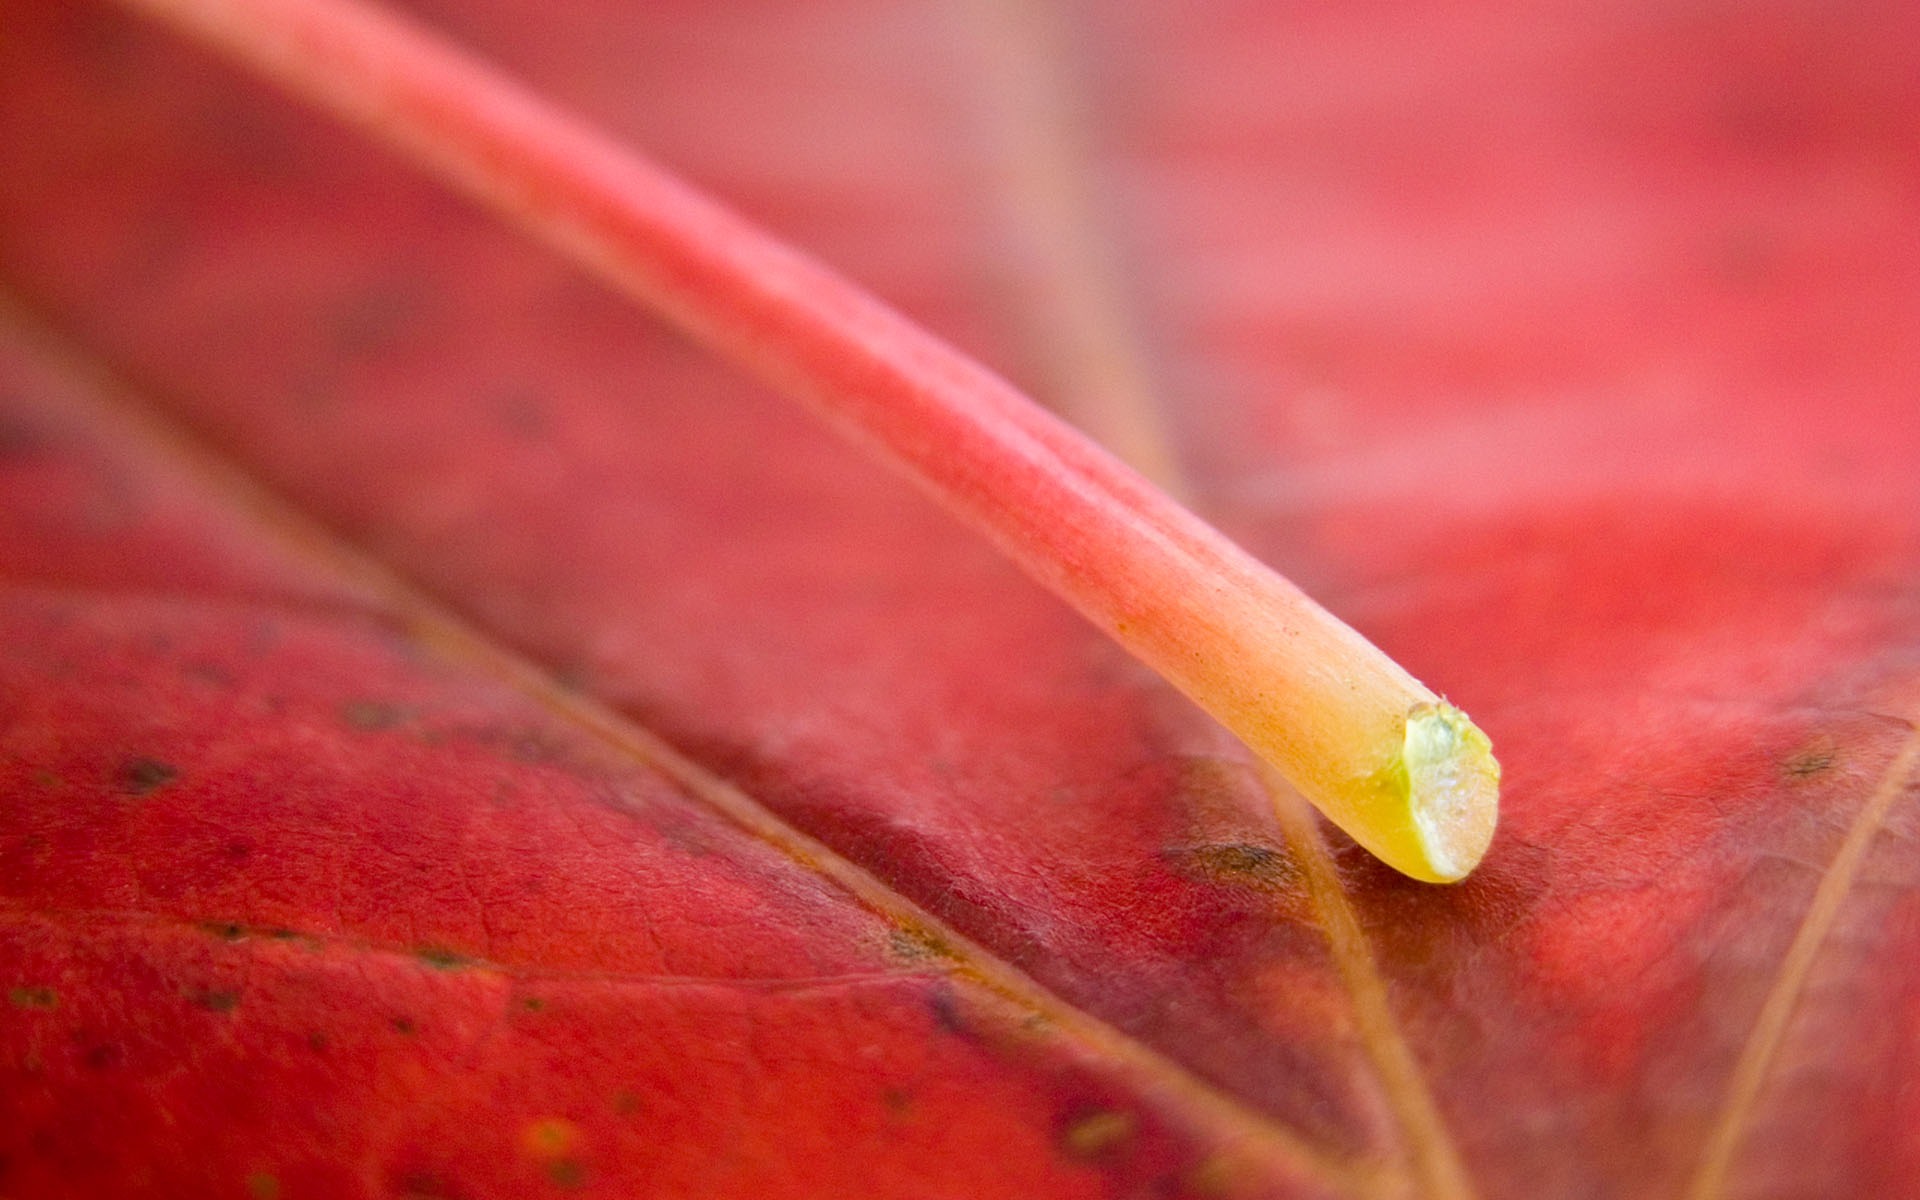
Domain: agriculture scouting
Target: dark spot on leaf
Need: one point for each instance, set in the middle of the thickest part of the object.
(225, 930)
(1811, 762)
(218, 1001)
(917, 945)
(1214, 1175)
(262, 1186)
(553, 1141)
(678, 826)
(404, 1026)
(625, 1103)
(282, 935)
(139, 776)
(317, 1042)
(422, 1185)
(549, 1137)
(48, 780)
(567, 1173)
(1097, 1135)
(102, 1057)
(898, 1101)
(945, 1006)
(1240, 864)
(372, 715)
(533, 1004)
(33, 997)
(239, 850)
(440, 958)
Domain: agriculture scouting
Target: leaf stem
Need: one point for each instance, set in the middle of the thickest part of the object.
(1405, 774)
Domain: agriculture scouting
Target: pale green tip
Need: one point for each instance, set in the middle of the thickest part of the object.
(1453, 788)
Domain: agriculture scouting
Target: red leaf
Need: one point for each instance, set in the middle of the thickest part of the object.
(1568, 352)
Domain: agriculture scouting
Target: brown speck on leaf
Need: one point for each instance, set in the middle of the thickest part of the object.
(440, 958)
(549, 1137)
(371, 716)
(1240, 864)
(263, 1186)
(422, 1185)
(33, 997)
(404, 1026)
(552, 1140)
(141, 776)
(1097, 1135)
(216, 1001)
(1214, 1175)
(1814, 759)
(102, 1057)
(567, 1173)
(917, 945)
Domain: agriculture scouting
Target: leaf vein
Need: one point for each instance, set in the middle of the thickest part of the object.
(431, 624)
(1770, 1027)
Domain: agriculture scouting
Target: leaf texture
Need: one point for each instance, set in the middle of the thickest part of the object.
(1566, 351)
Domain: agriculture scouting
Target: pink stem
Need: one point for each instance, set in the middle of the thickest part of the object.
(1313, 696)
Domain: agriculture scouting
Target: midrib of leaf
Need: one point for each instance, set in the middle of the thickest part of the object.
(1072, 304)
(1769, 1031)
(133, 418)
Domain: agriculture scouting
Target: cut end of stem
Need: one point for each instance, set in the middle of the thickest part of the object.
(1453, 791)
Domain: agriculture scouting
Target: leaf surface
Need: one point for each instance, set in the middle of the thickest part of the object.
(1566, 352)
